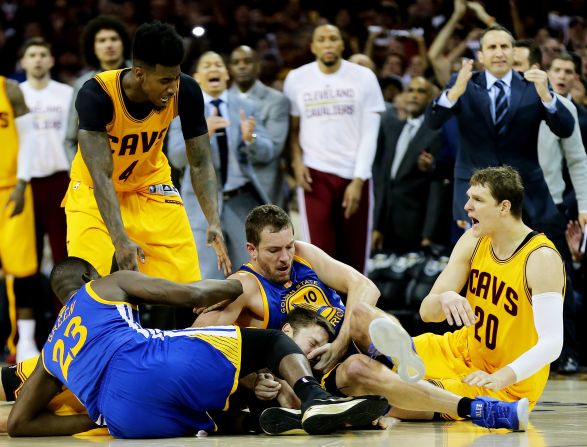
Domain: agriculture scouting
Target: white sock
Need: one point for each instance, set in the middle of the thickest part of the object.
(26, 330)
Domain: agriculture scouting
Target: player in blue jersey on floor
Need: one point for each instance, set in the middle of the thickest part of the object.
(284, 274)
(147, 383)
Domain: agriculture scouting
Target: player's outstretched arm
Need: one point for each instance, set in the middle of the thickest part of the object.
(135, 287)
(29, 416)
(444, 302)
(245, 311)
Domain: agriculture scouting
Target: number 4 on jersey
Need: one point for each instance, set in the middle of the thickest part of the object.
(127, 172)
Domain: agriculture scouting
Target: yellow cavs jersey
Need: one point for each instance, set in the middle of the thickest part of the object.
(136, 144)
(499, 295)
(9, 139)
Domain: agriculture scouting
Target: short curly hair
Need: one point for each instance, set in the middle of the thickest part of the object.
(157, 43)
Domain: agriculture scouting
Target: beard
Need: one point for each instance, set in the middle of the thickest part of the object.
(330, 63)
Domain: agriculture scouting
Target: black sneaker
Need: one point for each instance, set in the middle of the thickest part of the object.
(323, 416)
(281, 421)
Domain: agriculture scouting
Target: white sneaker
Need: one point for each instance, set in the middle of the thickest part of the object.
(26, 349)
(392, 340)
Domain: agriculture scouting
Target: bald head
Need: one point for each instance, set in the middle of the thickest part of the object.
(363, 60)
(244, 67)
(418, 94)
(69, 275)
(327, 46)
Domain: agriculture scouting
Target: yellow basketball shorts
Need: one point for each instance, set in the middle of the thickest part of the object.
(447, 363)
(154, 219)
(18, 253)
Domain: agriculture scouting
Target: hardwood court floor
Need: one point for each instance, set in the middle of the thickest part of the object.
(559, 419)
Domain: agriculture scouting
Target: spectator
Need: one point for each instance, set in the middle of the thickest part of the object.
(273, 108)
(238, 138)
(333, 146)
(49, 102)
(403, 221)
(506, 132)
(106, 46)
(554, 154)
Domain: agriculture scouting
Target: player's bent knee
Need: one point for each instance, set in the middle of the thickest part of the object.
(355, 372)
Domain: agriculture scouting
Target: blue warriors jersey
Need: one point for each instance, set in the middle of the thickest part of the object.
(304, 289)
(142, 383)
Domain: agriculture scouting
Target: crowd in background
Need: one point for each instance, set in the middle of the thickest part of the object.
(401, 41)
(396, 34)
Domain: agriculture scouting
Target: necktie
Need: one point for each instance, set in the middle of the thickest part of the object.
(501, 108)
(402, 147)
(222, 144)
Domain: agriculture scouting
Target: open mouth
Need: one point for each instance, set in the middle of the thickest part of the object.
(214, 80)
(474, 221)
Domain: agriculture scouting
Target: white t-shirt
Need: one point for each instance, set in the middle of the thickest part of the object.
(50, 109)
(331, 108)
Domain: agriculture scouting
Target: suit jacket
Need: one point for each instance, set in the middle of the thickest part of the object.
(273, 108)
(261, 150)
(232, 214)
(481, 147)
(402, 212)
(582, 114)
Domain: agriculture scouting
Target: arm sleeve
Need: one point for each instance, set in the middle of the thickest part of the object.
(548, 320)
(191, 108)
(550, 106)
(26, 143)
(444, 101)
(94, 107)
(367, 145)
(576, 159)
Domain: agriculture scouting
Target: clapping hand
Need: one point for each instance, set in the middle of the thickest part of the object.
(247, 126)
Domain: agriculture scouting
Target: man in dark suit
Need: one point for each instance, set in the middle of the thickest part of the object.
(403, 219)
(499, 112)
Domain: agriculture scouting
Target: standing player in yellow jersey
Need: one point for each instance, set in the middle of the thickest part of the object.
(18, 256)
(121, 200)
(512, 312)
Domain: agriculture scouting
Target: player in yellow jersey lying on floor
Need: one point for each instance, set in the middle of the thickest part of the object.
(99, 350)
(512, 311)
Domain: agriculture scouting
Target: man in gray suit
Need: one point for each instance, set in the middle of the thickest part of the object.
(237, 139)
(273, 108)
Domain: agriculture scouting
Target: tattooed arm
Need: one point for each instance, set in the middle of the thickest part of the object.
(96, 153)
(206, 188)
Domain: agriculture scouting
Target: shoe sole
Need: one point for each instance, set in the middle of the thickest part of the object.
(281, 421)
(392, 340)
(361, 411)
(523, 412)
